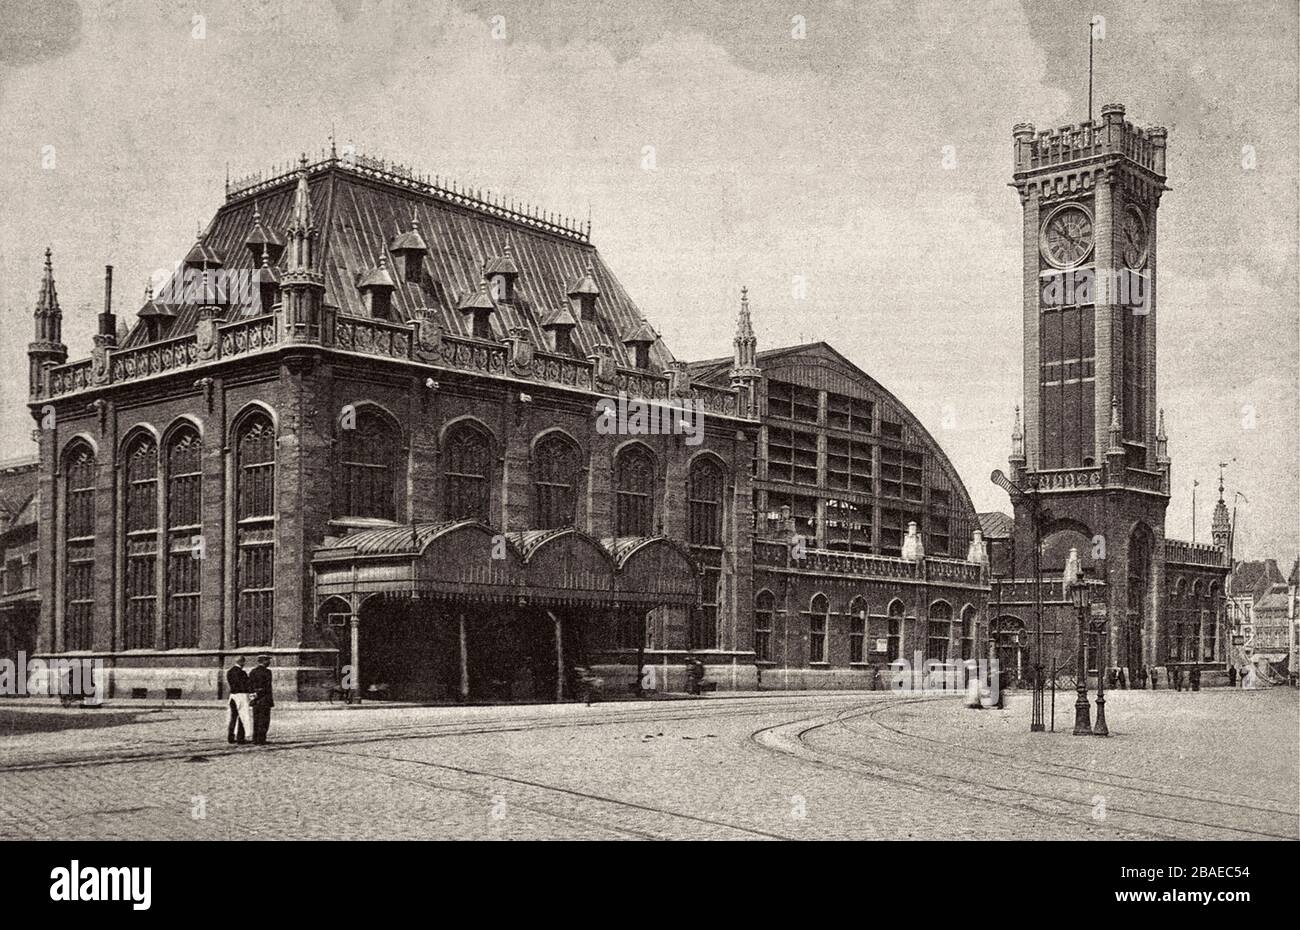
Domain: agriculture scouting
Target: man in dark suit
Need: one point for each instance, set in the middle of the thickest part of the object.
(237, 709)
(259, 681)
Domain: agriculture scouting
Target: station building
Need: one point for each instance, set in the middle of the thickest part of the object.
(365, 429)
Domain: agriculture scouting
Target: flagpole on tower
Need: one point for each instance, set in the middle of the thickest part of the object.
(1092, 27)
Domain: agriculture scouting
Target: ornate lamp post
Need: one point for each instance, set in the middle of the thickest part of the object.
(1078, 591)
(1099, 627)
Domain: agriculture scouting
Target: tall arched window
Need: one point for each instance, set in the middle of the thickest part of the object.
(79, 546)
(255, 525)
(939, 631)
(555, 476)
(185, 548)
(467, 453)
(764, 612)
(817, 616)
(367, 467)
(634, 484)
(858, 629)
(968, 632)
(141, 542)
(704, 492)
(1212, 630)
(895, 630)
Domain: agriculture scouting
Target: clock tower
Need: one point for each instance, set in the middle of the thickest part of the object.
(1093, 447)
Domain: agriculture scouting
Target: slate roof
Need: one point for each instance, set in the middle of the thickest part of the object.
(996, 525)
(1255, 578)
(358, 215)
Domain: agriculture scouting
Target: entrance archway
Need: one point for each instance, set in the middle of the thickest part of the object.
(1013, 647)
(1141, 544)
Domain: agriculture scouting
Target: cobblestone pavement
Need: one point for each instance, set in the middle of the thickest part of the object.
(1213, 764)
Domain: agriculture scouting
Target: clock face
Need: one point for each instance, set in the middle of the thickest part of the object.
(1066, 237)
(1133, 239)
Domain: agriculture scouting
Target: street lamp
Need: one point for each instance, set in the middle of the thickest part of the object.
(1099, 627)
(1078, 590)
(1040, 516)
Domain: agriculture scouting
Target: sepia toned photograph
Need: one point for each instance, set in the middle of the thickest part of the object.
(565, 420)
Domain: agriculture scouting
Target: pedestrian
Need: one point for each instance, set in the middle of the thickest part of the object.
(1178, 678)
(1155, 679)
(1196, 678)
(1232, 676)
(238, 711)
(259, 682)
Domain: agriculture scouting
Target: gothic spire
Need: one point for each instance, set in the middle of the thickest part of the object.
(745, 356)
(48, 302)
(1017, 438)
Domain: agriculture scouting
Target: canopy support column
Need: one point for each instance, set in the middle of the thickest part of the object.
(559, 656)
(464, 658)
(354, 624)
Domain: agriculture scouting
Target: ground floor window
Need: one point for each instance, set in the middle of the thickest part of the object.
(764, 608)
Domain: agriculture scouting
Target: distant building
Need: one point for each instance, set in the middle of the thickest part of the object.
(19, 596)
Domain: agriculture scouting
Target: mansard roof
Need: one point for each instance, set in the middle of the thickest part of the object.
(359, 212)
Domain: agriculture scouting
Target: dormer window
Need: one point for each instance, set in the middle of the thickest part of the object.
(584, 292)
(480, 306)
(263, 240)
(376, 288)
(408, 251)
(639, 344)
(500, 273)
(561, 325)
(157, 318)
(268, 284)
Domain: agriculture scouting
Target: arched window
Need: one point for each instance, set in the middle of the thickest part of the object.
(764, 611)
(858, 629)
(79, 546)
(939, 631)
(467, 453)
(255, 526)
(817, 612)
(185, 549)
(367, 467)
(634, 483)
(141, 542)
(704, 490)
(895, 630)
(968, 632)
(555, 475)
(1212, 630)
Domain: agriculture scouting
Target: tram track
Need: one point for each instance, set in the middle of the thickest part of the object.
(794, 740)
(635, 713)
(574, 794)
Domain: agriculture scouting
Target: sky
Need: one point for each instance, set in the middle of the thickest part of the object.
(847, 161)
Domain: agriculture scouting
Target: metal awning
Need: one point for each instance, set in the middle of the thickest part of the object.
(469, 560)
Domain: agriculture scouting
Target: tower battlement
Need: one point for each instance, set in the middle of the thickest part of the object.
(1038, 150)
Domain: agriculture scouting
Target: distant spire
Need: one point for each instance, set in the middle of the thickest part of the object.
(48, 302)
(1162, 441)
(744, 360)
(1017, 438)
